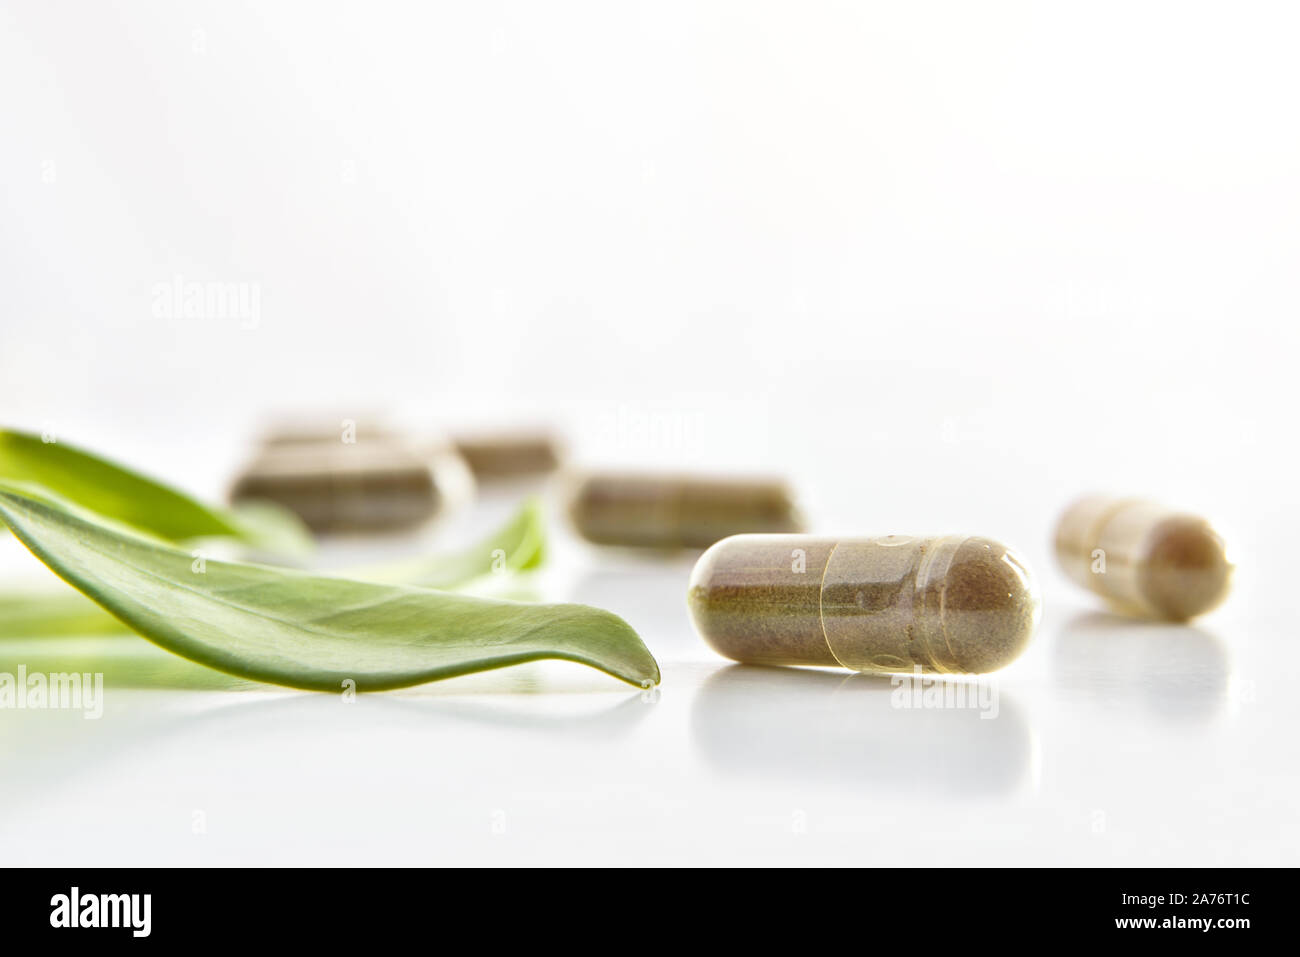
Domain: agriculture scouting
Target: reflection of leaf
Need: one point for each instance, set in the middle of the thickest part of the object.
(54, 613)
(607, 724)
(124, 664)
(119, 494)
(309, 631)
(517, 545)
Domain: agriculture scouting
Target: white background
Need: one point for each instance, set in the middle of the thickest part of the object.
(945, 266)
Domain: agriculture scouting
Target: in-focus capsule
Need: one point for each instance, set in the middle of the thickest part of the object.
(1143, 558)
(957, 605)
(676, 511)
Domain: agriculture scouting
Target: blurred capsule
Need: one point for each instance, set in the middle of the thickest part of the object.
(375, 485)
(1143, 558)
(675, 511)
(509, 455)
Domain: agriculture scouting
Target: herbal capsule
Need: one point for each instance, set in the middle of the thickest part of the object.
(509, 455)
(372, 486)
(949, 605)
(1143, 558)
(671, 511)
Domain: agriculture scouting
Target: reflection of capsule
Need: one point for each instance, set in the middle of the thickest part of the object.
(1143, 558)
(847, 731)
(1179, 673)
(674, 511)
(954, 605)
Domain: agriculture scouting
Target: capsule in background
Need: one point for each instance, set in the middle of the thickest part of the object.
(375, 485)
(678, 511)
(503, 456)
(1143, 558)
(955, 605)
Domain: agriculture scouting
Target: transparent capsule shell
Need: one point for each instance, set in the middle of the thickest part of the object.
(950, 605)
(1143, 558)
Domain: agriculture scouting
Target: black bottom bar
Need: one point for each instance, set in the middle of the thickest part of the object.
(333, 907)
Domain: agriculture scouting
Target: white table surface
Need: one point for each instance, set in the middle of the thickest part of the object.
(1114, 742)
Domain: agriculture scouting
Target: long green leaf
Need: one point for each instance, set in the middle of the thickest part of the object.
(270, 527)
(518, 545)
(309, 631)
(125, 496)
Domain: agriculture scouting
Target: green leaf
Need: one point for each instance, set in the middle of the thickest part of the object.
(272, 527)
(519, 545)
(308, 631)
(118, 493)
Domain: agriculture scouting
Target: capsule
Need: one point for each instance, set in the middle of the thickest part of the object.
(378, 485)
(1145, 559)
(509, 455)
(677, 511)
(955, 605)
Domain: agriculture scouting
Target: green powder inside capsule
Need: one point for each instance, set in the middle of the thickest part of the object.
(948, 605)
